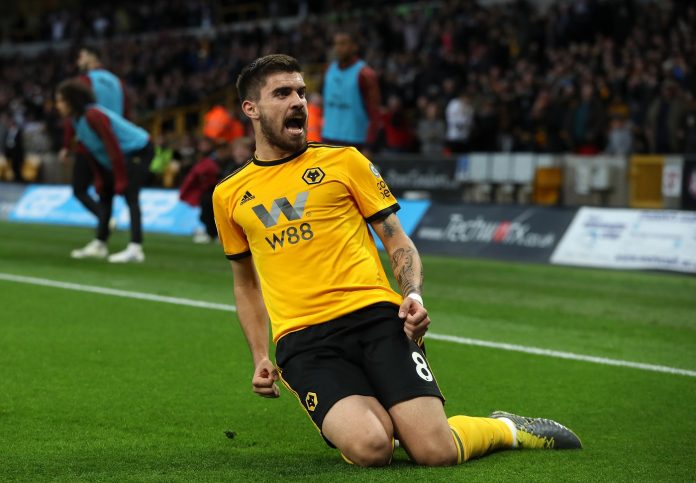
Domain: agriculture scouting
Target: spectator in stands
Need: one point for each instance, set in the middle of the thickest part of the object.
(688, 129)
(558, 118)
(165, 154)
(4, 128)
(187, 147)
(460, 122)
(351, 97)
(111, 93)
(13, 146)
(587, 122)
(240, 152)
(431, 131)
(120, 154)
(485, 133)
(315, 117)
(220, 124)
(399, 136)
(217, 163)
(663, 120)
(620, 137)
(198, 186)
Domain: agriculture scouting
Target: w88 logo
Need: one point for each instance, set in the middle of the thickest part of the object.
(292, 235)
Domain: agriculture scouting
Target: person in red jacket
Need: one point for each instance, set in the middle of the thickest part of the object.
(202, 175)
(197, 188)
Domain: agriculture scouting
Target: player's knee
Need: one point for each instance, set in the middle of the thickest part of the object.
(434, 452)
(373, 450)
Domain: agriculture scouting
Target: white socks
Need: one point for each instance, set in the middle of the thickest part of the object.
(513, 430)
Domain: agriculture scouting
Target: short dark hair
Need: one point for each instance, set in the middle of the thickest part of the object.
(351, 33)
(253, 76)
(91, 49)
(76, 94)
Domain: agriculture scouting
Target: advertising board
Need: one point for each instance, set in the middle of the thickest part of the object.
(505, 232)
(630, 239)
(162, 211)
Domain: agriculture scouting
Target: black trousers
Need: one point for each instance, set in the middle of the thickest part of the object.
(16, 157)
(207, 217)
(137, 168)
(81, 179)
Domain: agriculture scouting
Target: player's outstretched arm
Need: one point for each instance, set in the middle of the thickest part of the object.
(408, 270)
(253, 318)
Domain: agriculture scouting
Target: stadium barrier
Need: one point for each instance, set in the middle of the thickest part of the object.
(542, 179)
(593, 237)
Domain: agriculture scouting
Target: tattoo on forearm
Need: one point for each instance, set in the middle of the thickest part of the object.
(388, 227)
(408, 270)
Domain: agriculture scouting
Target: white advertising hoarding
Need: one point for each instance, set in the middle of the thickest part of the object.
(671, 180)
(630, 239)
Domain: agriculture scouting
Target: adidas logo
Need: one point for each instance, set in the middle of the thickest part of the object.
(247, 197)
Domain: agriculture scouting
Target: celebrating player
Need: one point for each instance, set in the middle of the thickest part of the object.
(294, 223)
(120, 153)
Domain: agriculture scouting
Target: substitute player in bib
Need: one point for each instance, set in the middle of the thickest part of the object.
(351, 97)
(121, 154)
(294, 223)
(110, 92)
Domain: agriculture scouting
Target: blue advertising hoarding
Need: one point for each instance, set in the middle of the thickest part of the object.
(162, 211)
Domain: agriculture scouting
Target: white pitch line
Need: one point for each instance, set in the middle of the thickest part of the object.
(561, 355)
(448, 338)
(116, 292)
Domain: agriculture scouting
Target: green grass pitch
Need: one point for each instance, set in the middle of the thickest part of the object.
(102, 388)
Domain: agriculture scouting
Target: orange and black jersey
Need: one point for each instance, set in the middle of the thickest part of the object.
(304, 220)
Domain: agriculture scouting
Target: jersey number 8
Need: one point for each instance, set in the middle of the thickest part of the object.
(422, 367)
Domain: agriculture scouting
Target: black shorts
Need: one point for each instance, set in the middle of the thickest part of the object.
(362, 353)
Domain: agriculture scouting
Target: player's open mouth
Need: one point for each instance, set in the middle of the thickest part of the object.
(295, 125)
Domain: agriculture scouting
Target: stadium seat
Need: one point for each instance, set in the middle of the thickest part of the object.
(523, 175)
(548, 182)
(479, 177)
(501, 176)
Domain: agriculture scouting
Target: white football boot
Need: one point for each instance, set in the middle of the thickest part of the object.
(94, 249)
(201, 237)
(132, 254)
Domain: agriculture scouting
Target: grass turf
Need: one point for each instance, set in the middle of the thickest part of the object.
(94, 387)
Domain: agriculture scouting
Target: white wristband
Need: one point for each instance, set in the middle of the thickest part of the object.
(416, 297)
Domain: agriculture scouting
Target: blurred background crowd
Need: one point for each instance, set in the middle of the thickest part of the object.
(583, 76)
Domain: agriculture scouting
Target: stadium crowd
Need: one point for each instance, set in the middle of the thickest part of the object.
(102, 20)
(585, 76)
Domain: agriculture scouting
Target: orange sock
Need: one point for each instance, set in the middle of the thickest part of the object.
(476, 437)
